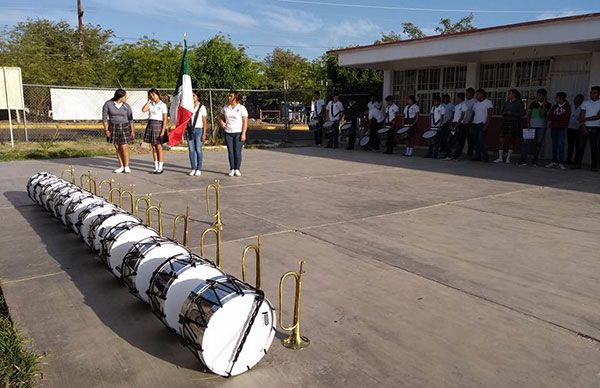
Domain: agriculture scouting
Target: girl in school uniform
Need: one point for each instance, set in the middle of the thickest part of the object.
(156, 128)
(411, 116)
(119, 128)
(195, 134)
(234, 122)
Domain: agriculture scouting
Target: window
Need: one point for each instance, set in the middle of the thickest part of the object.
(526, 76)
(425, 83)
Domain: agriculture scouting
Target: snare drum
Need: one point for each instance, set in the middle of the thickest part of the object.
(86, 217)
(173, 281)
(328, 126)
(103, 224)
(364, 141)
(383, 133)
(346, 128)
(143, 258)
(227, 324)
(429, 137)
(119, 240)
(313, 124)
(404, 132)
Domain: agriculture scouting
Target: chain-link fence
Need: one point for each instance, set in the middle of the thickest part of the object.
(274, 115)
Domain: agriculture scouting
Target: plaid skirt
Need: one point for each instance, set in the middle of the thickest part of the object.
(120, 133)
(153, 130)
(511, 129)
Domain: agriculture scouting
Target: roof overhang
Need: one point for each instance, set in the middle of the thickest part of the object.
(563, 36)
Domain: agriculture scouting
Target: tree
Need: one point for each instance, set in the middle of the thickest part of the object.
(48, 53)
(412, 30)
(346, 80)
(447, 27)
(147, 62)
(283, 65)
(391, 36)
(217, 63)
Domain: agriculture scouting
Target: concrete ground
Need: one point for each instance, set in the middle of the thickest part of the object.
(419, 273)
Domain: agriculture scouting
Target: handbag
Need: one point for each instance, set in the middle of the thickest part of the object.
(528, 133)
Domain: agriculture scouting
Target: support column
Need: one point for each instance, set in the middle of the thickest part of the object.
(594, 70)
(388, 76)
(472, 79)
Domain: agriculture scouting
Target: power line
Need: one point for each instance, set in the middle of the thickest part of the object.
(417, 9)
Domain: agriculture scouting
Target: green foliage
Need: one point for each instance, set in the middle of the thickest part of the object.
(346, 80)
(147, 62)
(286, 65)
(412, 31)
(391, 36)
(218, 63)
(47, 52)
(447, 27)
(19, 365)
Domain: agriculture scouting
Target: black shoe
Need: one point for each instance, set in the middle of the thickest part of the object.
(388, 152)
(575, 167)
(428, 156)
(159, 171)
(349, 148)
(328, 147)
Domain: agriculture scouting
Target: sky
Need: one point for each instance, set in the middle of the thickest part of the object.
(308, 27)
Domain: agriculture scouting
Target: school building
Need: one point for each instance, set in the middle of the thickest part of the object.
(561, 54)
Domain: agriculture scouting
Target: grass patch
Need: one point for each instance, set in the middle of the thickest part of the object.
(19, 365)
(61, 149)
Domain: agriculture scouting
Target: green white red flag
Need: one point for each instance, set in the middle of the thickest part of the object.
(182, 106)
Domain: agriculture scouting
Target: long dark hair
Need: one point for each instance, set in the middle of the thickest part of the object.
(119, 93)
(236, 95)
(154, 91)
(516, 93)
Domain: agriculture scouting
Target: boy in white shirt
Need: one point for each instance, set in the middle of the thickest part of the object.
(317, 110)
(335, 112)
(437, 119)
(589, 119)
(455, 124)
(482, 114)
(445, 130)
(391, 112)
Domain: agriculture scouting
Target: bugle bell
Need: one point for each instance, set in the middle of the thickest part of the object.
(295, 340)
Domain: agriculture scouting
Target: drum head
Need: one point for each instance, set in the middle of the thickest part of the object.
(71, 202)
(217, 316)
(60, 198)
(89, 215)
(32, 182)
(100, 231)
(47, 192)
(87, 203)
(121, 241)
(41, 185)
(145, 266)
(383, 130)
(328, 124)
(346, 126)
(404, 129)
(429, 134)
(364, 141)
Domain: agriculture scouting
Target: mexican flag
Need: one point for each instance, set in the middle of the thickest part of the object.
(182, 106)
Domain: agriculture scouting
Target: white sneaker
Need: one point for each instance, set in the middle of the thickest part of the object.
(237, 173)
(499, 160)
(127, 170)
(119, 170)
(192, 173)
(198, 173)
(562, 166)
(231, 173)
(550, 165)
(507, 161)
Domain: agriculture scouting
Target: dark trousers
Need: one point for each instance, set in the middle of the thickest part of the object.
(444, 134)
(471, 140)
(593, 136)
(334, 137)
(234, 150)
(572, 140)
(481, 147)
(390, 142)
(462, 134)
(540, 136)
(318, 134)
(373, 138)
(435, 147)
(352, 135)
(558, 145)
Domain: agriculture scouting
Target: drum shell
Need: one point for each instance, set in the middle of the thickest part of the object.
(102, 229)
(34, 182)
(117, 243)
(47, 192)
(430, 140)
(364, 141)
(383, 133)
(404, 132)
(40, 186)
(87, 216)
(77, 206)
(74, 198)
(328, 126)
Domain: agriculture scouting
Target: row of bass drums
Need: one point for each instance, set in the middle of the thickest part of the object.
(228, 324)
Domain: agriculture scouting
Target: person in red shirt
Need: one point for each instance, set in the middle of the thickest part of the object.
(559, 116)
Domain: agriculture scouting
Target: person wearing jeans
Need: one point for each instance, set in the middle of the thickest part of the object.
(234, 122)
(536, 115)
(590, 121)
(482, 113)
(195, 134)
(558, 117)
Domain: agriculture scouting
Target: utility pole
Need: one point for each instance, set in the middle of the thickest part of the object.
(80, 28)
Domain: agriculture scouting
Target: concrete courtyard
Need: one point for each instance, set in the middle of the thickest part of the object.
(419, 272)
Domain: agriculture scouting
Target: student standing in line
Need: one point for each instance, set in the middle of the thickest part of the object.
(391, 113)
(410, 117)
(558, 119)
(589, 119)
(464, 128)
(317, 113)
(156, 128)
(468, 120)
(455, 124)
(375, 125)
(445, 130)
(234, 122)
(372, 106)
(437, 119)
(574, 130)
(512, 113)
(119, 128)
(482, 113)
(352, 114)
(537, 117)
(195, 134)
(335, 112)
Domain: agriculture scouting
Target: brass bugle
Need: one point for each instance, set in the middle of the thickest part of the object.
(217, 214)
(71, 172)
(111, 192)
(146, 200)
(89, 179)
(217, 233)
(186, 222)
(108, 182)
(158, 210)
(295, 340)
(256, 249)
(128, 193)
